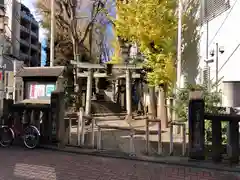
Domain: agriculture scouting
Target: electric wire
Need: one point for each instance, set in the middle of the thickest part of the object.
(229, 57)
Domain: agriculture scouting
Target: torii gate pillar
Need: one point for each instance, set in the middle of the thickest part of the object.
(128, 92)
(89, 92)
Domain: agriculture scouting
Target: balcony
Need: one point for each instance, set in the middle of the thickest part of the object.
(34, 22)
(29, 17)
(24, 42)
(34, 34)
(35, 47)
(25, 29)
(23, 55)
(25, 16)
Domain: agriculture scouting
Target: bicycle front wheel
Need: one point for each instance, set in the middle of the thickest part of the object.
(6, 136)
(31, 137)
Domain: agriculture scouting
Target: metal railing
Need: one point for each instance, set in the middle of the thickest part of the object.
(96, 128)
(131, 135)
(78, 117)
(160, 146)
(183, 126)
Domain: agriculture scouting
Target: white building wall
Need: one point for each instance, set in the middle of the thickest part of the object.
(224, 30)
(9, 14)
(13, 27)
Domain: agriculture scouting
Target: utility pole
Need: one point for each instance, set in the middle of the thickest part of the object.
(52, 32)
(179, 45)
(2, 88)
(14, 79)
(217, 50)
(2, 39)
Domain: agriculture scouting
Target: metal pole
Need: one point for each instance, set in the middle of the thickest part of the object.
(207, 38)
(179, 46)
(70, 131)
(52, 32)
(147, 136)
(2, 88)
(14, 79)
(217, 50)
(159, 138)
(82, 126)
(171, 140)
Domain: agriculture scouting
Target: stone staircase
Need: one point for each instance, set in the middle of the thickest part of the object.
(106, 107)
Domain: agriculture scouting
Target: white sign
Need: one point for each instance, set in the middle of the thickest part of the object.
(3, 67)
(37, 91)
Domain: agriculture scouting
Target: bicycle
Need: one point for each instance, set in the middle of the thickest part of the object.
(29, 133)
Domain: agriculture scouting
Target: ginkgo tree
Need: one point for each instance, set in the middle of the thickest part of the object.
(152, 25)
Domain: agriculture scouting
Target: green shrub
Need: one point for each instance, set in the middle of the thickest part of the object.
(212, 101)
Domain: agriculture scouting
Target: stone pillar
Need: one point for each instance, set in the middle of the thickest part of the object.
(170, 109)
(196, 125)
(89, 92)
(60, 84)
(122, 92)
(128, 92)
(57, 117)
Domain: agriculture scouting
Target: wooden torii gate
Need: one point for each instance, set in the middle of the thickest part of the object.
(90, 74)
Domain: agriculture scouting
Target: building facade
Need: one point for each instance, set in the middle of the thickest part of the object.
(21, 45)
(23, 30)
(220, 45)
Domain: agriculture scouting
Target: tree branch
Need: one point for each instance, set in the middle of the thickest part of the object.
(99, 7)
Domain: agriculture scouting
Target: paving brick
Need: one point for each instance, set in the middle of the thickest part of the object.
(20, 164)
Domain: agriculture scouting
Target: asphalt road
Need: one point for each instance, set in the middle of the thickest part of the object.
(39, 164)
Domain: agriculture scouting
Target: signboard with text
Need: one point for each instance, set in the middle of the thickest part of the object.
(49, 89)
(37, 91)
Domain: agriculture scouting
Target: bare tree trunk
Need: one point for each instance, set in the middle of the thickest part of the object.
(77, 81)
(153, 106)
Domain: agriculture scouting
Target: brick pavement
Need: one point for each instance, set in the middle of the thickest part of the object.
(22, 164)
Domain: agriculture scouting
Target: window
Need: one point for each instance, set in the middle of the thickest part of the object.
(210, 9)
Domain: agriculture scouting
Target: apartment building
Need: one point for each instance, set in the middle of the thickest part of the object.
(22, 30)
(21, 44)
(30, 48)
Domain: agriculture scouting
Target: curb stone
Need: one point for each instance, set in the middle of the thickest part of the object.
(182, 161)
